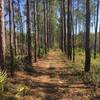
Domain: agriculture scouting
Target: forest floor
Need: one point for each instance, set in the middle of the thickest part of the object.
(54, 78)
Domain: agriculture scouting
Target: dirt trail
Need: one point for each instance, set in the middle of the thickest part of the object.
(55, 80)
(53, 60)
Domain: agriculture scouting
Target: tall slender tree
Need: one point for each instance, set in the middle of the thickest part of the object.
(64, 14)
(29, 34)
(69, 31)
(96, 30)
(47, 5)
(3, 30)
(11, 32)
(45, 31)
(62, 24)
(1, 43)
(73, 31)
(99, 40)
(87, 43)
(35, 30)
(14, 32)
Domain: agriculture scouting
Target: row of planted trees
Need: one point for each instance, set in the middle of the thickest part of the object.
(40, 25)
(79, 13)
(27, 31)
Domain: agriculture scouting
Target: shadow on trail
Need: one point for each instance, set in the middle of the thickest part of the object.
(52, 79)
(72, 86)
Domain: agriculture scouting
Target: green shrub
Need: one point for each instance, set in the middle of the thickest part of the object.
(22, 90)
(3, 77)
(8, 62)
(16, 64)
(42, 52)
(93, 76)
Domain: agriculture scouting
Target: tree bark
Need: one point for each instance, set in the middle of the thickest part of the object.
(29, 34)
(11, 33)
(69, 35)
(3, 31)
(14, 33)
(87, 45)
(96, 29)
(1, 38)
(64, 14)
(45, 32)
(62, 25)
(35, 27)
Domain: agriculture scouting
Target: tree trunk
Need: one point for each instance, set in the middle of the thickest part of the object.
(3, 31)
(62, 25)
(11, 32)
(1, 38)
(64, 14)
(14, 33)
(73, 36)
(35, 27)
(45, 33)
(96, 29)
(38, 31)
(87, 45)
(69, 22)
(29, 35)
(47, 3)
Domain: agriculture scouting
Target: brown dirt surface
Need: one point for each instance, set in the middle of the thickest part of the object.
(55, 80)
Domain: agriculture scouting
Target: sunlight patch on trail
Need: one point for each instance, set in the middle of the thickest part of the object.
(53, 60)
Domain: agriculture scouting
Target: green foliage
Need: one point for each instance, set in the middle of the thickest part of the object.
(42, 52)
(95, 74)
(17, 62)
(15, 91)
(3, 77)
(92, 77)
(22, 90)
(7, 62)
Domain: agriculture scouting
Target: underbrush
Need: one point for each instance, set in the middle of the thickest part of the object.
(3, 77)
(17, 64)
(93, 76)
(20, 63)
(15, 91)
